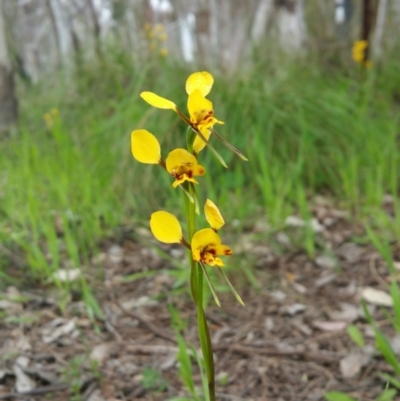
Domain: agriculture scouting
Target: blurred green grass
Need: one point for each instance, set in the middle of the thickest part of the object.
(306, 129)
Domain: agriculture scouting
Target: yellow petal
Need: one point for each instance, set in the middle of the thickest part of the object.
(199, 144)
(203, 81)
(145, 147)
(199, 107)
(165, 227)
(157, 101)
(213, 215)
(179, 157)
(203, 238)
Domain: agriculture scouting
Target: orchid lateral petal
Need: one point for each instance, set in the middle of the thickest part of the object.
(145, 147)
(157, 101)
(229, 146)
(213, 215)
(212, 289)
(237, 296)
(203, 81)
(166, 227)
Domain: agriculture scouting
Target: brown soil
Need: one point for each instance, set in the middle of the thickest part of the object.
(288, 343)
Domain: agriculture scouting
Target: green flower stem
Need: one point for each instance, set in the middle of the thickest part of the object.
(196, 285)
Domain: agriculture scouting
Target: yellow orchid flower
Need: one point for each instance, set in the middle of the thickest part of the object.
(206, 246)
(201, 113)
(213, 215)
(182, 165)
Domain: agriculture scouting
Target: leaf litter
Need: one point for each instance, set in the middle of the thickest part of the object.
(288, 343)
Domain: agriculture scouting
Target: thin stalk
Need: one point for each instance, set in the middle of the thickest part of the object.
(197, 288)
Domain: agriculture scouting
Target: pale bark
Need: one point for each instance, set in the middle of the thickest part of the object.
(8, 100)
(55, 32)
(291, 25)
(396, 11)
(263, 14)
(96, 28)
(379, 30)
(63, 31)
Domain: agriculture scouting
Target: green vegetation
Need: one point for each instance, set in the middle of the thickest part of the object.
(68, 182)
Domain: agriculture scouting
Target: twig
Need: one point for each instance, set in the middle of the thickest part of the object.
(36, 391)
(310, 356)
(155, 330)
(151, 349)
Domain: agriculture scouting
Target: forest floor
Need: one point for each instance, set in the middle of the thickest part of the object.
(288, 343)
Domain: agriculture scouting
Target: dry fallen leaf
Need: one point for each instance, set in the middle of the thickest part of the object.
(100, 352)
(325, 261)
(66, 275)
(330, 326)
(351, 364)
(58, 328)
(376, 297)
(23, 382)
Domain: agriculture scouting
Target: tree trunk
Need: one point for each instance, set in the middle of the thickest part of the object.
(96, 28)
(55, 32)
(380, 27)
(291, 24)
(64, 37)
(8, 100)
(262, 17)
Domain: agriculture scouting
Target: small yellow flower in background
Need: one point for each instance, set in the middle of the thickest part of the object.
(166, 227)
(183, 166)
(48, 118)
(359, 53)
(145, 147)
(163, 37)
(213, 215)
(164, 52)
(51, 116)
(206, 246)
